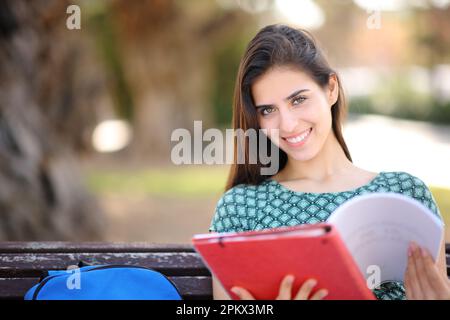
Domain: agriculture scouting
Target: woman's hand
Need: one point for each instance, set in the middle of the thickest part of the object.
(285, 292)
(423, 281)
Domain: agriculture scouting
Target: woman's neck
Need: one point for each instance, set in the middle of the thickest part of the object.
(330, 161)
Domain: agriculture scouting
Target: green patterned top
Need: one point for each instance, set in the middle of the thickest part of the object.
(271, 205)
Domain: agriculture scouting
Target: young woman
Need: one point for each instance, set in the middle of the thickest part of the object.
(285, 83)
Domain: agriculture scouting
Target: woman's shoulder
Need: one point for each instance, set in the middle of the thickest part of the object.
(402, 181)
(236, 208)
(241, 192)
(410, 185)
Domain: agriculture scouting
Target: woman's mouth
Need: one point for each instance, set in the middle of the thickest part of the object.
(299, 139)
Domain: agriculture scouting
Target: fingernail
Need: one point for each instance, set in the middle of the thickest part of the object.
(313, 282)
(413, 247)
(324, 293)
(235, 290)
(409, 251)
(424, 252)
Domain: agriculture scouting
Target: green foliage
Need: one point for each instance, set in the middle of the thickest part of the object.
(226, 65)
(437, 112)
(102, 27)
(396, 98)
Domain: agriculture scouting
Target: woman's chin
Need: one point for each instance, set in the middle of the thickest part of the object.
(300, 155)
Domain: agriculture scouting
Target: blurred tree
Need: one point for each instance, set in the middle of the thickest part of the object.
(226, 64)
(430, 34)
(167, 49)
(48, 90)
(336, 36)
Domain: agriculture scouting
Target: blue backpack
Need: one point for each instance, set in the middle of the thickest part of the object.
(104, 282)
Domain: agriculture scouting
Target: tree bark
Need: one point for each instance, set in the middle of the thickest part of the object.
(46, 109)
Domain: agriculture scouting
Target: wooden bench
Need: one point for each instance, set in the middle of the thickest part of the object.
(22, 263)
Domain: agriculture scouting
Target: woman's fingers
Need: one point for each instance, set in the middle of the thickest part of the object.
(422, 278)
(305, 290)
(242, 293)
(285, 292)
(427, 291)
(286, 288)
(319, 295)
(438, 286)
(411, 282)
(407, 282)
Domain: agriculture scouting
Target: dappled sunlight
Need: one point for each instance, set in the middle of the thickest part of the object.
(111, 135)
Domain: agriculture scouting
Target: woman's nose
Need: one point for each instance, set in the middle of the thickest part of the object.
(287, 122)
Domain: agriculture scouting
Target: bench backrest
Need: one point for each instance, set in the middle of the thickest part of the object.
(22, 263)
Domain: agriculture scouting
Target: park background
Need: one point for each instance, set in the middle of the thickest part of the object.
(86, 115)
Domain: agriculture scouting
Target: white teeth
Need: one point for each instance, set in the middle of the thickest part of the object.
(298, 138)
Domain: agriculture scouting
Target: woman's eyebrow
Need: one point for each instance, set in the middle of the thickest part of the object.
(295, 93)
(292, 95)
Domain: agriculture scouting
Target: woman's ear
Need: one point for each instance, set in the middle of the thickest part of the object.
(333, 89)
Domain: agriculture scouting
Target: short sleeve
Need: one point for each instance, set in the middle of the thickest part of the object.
(231, 212)
(422, 193)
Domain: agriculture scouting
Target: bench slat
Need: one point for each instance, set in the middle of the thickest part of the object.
(79, 247)
(189, 287)
(169, 263)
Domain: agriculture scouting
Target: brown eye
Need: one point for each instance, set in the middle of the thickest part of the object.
(298, 100)
(267, 110)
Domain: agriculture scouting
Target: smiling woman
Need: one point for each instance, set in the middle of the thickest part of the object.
(285, 83)
(302, 116)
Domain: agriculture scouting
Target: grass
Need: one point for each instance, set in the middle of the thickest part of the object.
(194, 182)
(174, 183)
(191, 182)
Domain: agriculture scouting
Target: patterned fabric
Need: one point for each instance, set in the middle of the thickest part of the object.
(271, 205)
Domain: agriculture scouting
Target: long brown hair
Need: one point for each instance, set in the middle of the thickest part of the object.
(277, 45)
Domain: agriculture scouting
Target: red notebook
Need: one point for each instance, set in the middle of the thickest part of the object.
(259, 260)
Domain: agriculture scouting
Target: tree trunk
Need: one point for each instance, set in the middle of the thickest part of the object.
(166, 48)
(46, 109)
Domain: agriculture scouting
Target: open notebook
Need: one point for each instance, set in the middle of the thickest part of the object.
(378, 227)
(363, 241)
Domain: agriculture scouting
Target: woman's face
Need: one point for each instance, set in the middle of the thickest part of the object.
(290, 101)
